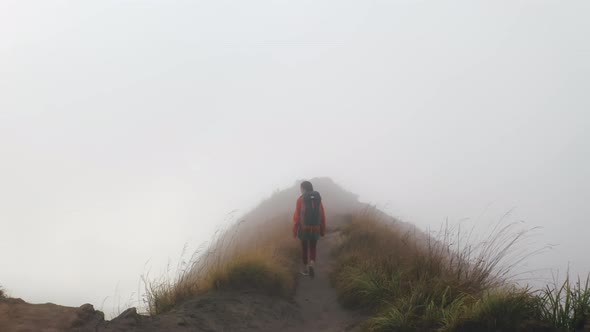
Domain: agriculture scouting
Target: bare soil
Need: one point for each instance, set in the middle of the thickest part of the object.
(318, 301)
(314, 308)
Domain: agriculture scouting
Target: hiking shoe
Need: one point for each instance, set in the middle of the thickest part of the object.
(304, 271)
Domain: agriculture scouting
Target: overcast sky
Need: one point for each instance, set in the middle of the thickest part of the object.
(129, 128)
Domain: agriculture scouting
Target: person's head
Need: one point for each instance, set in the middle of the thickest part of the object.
(306, 186)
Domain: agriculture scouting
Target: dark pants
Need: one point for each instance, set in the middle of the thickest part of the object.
(309, 250)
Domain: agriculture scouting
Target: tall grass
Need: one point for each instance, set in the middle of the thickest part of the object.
(418, 282)
(258, 256)
(565, 305)
(2, 293)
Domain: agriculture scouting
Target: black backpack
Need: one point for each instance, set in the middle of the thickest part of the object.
(312, 201)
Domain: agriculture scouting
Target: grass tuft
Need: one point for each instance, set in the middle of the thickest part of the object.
(565, 305)
(418, 282)
(257, 257)
(255, 273)
(503, 310)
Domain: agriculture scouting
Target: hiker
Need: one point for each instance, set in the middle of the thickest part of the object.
(309, 223)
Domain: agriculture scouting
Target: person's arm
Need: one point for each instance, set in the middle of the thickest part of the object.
(297, 217)
(323, 216)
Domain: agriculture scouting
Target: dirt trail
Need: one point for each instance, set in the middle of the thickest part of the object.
(318, 300)
(314, 308)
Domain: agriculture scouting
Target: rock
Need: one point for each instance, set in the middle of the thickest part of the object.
(86, 316)
(129, 315)
(87, 307)
(128, 320)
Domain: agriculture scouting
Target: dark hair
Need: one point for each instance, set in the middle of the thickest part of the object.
(307, 186)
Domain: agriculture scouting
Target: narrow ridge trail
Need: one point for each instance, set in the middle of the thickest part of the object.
(318, 300)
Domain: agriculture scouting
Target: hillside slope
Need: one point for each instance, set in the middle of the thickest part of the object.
(313, 305)
(399, 277)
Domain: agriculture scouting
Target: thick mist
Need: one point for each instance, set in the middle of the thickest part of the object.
(131, 129)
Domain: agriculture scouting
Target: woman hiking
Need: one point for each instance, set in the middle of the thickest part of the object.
(309, 223)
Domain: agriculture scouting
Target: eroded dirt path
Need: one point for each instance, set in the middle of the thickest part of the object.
(320, 309)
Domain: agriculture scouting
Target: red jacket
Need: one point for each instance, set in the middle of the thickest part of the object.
(301, 209)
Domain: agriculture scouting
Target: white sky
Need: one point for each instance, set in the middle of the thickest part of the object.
(129, 128)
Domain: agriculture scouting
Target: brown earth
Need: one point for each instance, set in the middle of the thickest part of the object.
(314, 308)
(318, 301)
(18, 316)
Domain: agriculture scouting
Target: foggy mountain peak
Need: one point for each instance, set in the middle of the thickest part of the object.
(336, 200)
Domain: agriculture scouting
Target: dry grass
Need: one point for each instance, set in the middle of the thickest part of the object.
(409, 281)
(418, 282)
(258, 256)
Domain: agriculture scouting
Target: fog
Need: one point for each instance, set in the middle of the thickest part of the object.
(131, 128)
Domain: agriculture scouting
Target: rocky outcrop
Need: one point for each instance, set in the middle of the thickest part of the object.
(18, 315)
(215, 311)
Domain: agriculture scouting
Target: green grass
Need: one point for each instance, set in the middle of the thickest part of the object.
(416, 282)
(565, 305)
(503, 310)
